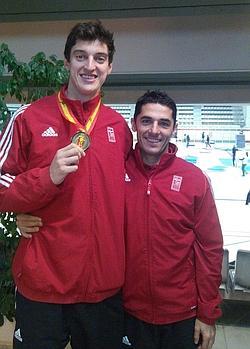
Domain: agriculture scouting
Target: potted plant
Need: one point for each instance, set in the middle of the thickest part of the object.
(23, 83)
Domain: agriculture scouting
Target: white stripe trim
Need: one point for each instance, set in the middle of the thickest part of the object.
(5, 184)
(6, 147)
(19, 111)
(7, 177)
(7, 136)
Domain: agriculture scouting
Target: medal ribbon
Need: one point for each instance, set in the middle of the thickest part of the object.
(68, 115)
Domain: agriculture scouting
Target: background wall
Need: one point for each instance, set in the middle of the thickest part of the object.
(151, 50)
(161, 44)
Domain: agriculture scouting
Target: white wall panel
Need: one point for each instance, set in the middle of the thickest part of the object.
(167, 44)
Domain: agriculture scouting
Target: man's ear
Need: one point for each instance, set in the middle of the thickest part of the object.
(66, 64)
(110, 68)
(133, 124)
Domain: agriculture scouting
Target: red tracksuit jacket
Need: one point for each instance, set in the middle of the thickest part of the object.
(78, 254)
(174, 242)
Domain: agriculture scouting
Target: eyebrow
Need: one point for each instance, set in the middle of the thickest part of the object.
(96, 53)
(150, 117)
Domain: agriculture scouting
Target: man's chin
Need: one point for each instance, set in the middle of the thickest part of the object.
(153, 151)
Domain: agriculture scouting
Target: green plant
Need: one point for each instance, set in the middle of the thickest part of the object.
(8, 242)
(27, 82)
(23, 82)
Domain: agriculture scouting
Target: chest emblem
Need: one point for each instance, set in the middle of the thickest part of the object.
(127, 179)
(49, 132)
(111, 135)
(176, 183)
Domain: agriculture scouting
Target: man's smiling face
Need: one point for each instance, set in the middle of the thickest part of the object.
(88, 68)
(154, 126)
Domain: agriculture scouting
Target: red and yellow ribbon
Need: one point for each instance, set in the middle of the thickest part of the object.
(68, 115)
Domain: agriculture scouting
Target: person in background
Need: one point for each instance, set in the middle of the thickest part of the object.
(244, 163)
(57, 163)
(248, 198)
(203, 137)
(243, 155)
(174, 244)
(208, 142)
(234, 150)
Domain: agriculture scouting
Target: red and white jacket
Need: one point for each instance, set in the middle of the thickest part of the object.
(174, 242)
(78, 254)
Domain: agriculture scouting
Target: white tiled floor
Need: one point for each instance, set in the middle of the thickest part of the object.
(230, 337)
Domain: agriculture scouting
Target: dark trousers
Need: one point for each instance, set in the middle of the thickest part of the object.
(248, 198)
(85, 325)
(243, 168)
(141, 335)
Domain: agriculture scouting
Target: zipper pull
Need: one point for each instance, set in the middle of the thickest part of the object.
(149, 187)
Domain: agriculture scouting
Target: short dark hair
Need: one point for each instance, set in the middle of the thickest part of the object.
(90, 31)
(155, 96)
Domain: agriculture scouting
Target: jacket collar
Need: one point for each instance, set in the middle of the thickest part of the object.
(88, 106)
(165, 160)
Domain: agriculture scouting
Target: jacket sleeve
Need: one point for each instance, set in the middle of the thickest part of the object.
(21, 189)
(208, 249)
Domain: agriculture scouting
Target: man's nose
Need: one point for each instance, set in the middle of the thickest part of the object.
(155, 127)
(90, 63)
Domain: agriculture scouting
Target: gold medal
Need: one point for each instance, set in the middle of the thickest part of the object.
(81, 139)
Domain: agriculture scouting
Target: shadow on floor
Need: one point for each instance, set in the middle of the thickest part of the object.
(235, 313)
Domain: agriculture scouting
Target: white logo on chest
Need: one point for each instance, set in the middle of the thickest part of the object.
(111, 135)
(50, 132)
(176, 183)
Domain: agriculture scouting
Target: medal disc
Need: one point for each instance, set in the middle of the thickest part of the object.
(81, 139)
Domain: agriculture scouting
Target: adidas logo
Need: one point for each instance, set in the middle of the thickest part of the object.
(126, 341)
(50, 132)
(127, 179)
(18, 336)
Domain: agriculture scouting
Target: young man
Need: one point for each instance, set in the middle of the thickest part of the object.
(174, 240)
(57, 162)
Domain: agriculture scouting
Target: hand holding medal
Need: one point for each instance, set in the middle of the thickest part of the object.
(65, 161)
